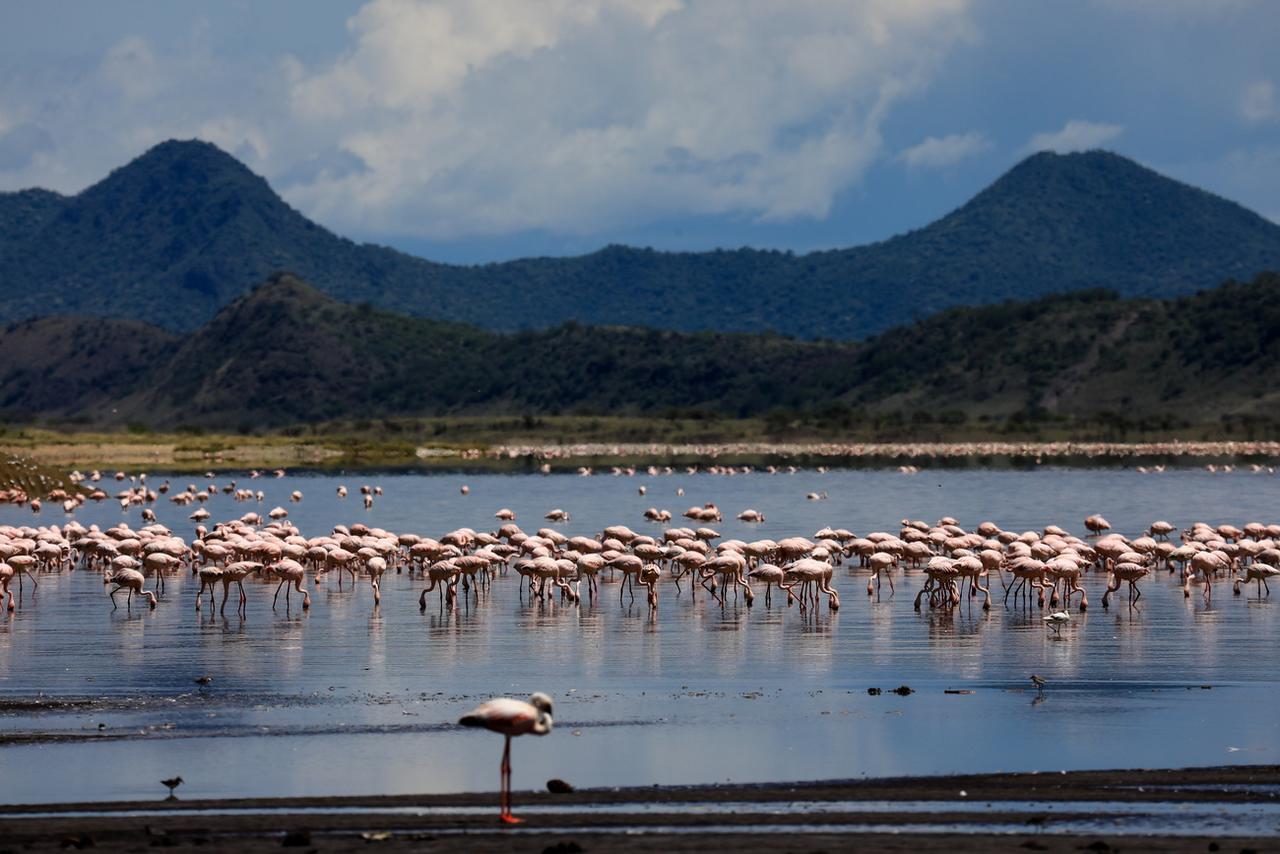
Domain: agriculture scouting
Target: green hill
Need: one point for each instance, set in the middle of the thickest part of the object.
(183, 230)
(286, 354)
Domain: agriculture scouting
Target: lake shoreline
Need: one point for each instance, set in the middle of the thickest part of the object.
(758, 820)
(181, 455)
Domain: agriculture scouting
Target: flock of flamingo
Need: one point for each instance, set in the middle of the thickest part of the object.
(956, 565)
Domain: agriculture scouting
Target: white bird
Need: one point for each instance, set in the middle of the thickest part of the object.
(1057, 620)
(511, 718)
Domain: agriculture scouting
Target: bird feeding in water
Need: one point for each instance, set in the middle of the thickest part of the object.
(510, 718)
(1039, 682)
(1057, 620)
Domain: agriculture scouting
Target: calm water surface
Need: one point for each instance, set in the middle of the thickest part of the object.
(352, 699)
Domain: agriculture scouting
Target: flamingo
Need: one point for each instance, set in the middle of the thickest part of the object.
(235, 574)
(1130, 573)
(290, 572)
(510, 718)
(1258, 572)
(770, 575)
(6, 575)
(131, 579)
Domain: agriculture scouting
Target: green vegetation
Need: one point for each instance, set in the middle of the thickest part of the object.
(182, 231)
(289, 362)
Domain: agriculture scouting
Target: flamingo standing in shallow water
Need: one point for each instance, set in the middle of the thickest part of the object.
(290, 572)
(131, 580)
(511, 717)
(6, 575)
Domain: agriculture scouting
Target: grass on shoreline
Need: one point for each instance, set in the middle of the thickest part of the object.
(393, 442)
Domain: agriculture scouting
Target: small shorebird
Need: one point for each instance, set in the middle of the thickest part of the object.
(1039, 682)
(510, 718)
(1057, 620)
(172, 784)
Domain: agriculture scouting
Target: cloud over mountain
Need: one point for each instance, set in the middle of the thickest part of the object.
(935, 152)
(573, 115)
(1075, 135)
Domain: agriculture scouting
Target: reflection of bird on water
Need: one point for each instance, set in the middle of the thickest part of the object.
(172, 784)
(510, 718)
(1057, 620)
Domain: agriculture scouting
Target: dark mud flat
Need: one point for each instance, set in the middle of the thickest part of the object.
(1204, 809)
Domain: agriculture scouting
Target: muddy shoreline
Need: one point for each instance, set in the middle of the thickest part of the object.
(65, 451)
(757, 818)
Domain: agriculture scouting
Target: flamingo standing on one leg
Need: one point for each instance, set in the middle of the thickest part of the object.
(511, 717)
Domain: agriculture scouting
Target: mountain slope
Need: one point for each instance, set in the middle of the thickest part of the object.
(77, 368)
(178, 233)
(287, 354)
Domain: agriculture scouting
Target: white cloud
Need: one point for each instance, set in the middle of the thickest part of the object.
(446, 119)
(130, 65)
(1258, 103)
(936, 152)
(579, 115)
(1075, 135)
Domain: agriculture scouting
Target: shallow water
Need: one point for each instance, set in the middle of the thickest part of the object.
(349, 699)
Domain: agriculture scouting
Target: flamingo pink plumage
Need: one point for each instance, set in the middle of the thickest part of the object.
(510, 718)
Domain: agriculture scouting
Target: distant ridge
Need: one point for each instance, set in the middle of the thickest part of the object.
(287, 354)
(178, 233)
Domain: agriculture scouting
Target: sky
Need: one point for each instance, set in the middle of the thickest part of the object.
(480, 130)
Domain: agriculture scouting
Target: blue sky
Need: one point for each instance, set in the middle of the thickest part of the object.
(475, 131)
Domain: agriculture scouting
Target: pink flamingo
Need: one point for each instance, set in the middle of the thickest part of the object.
(131, 579)
(1258, 572)
(1130, 573)
(770, 575)
(510, 718)
(235, 574)
(6, 575)
(290, 572)
(209, 576)
(649, 577)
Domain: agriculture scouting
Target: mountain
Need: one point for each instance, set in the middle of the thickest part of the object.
(183, 230)
(287, 354)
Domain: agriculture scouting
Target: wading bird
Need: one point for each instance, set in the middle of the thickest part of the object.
(510, 718)
(172, 784)
(1057, 620)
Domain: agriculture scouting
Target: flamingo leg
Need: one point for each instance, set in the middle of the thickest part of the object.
(506, 816)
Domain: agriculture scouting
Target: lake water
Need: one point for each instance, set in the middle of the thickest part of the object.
(351, 699)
